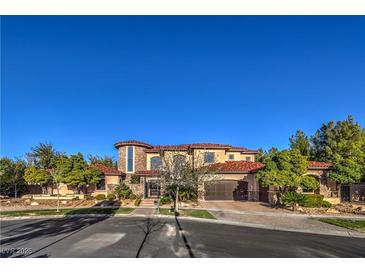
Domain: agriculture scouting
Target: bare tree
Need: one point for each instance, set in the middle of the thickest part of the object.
(180, 170)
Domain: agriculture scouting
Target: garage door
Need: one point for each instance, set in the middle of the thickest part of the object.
(227, 190)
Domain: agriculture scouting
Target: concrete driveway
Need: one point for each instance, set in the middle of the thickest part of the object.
(239, 206)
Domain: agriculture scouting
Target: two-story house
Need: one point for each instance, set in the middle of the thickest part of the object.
(236, 166)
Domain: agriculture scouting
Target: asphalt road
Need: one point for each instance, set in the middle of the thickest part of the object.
(165, 237)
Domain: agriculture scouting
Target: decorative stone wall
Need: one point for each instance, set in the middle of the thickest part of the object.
(121, 159)
(140, 159)
(328, 188)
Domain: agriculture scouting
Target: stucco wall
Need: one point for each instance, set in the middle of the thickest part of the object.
(238, 156)
(219, 156)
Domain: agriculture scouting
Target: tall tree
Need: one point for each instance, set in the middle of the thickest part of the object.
(42, 155)
(80, 173)
(341, 143)
(179, 172)
(37, 176)
(105, 160)
(300, 141)
(59, 172)
(11, 177)
(284, 170)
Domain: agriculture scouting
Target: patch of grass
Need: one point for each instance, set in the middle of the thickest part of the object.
(45, 212)
(358, 225)
(199, 213)
(196, 213)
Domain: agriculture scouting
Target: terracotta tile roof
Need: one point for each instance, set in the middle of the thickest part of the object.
(237, 166)
(171, 147)
(147, 172)
(106, 170)
(186, 147)
(132, 142)
(324, 165)
(209, 145)
(242, 149)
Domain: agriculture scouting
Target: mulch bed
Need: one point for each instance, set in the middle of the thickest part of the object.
(23, 204)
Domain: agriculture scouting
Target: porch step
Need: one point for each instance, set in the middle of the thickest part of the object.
(147, 203)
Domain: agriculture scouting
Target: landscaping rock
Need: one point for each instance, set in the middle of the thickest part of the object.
(332, 211)
(34, 204)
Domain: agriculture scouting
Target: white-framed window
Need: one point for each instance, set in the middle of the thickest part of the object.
(130, 159)
(231, 157)
(248, 158)
(155, 163)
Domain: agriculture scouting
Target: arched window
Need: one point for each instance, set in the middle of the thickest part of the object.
(156, 163)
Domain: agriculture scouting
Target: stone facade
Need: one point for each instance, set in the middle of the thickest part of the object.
(140, 160)
(357, 192)
(328, 188)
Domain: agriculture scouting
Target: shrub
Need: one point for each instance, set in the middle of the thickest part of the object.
(312, 200)
(100, 197)
(326, 204)
(292, 199)
(133, 196)
(309, 183)
(185, 193)
(138, 201)
(165, 200)
(134, 179)
(122, 191)
(88, 197)
(111, 197)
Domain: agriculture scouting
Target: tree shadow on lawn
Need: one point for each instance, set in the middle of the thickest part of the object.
(54, 227)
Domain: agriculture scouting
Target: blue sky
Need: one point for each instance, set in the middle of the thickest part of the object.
(83, 83)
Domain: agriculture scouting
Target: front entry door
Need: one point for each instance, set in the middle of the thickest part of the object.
(153, 189)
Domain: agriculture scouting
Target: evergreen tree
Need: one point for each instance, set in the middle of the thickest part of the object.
(300, 141)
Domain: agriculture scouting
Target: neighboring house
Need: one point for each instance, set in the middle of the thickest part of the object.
(111, 178)
(236, 169)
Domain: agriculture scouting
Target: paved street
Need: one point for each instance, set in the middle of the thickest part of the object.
(163, 237)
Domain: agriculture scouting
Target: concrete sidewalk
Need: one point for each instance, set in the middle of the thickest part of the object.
(285, 222)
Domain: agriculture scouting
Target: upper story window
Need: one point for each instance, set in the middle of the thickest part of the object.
(179, 162)
(209, 157)
(231, 157)
(156, 163)
(248, 159)
(130, 159)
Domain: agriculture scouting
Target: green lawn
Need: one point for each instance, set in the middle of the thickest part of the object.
(67, 212)
(358, 225)
(197, 213)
